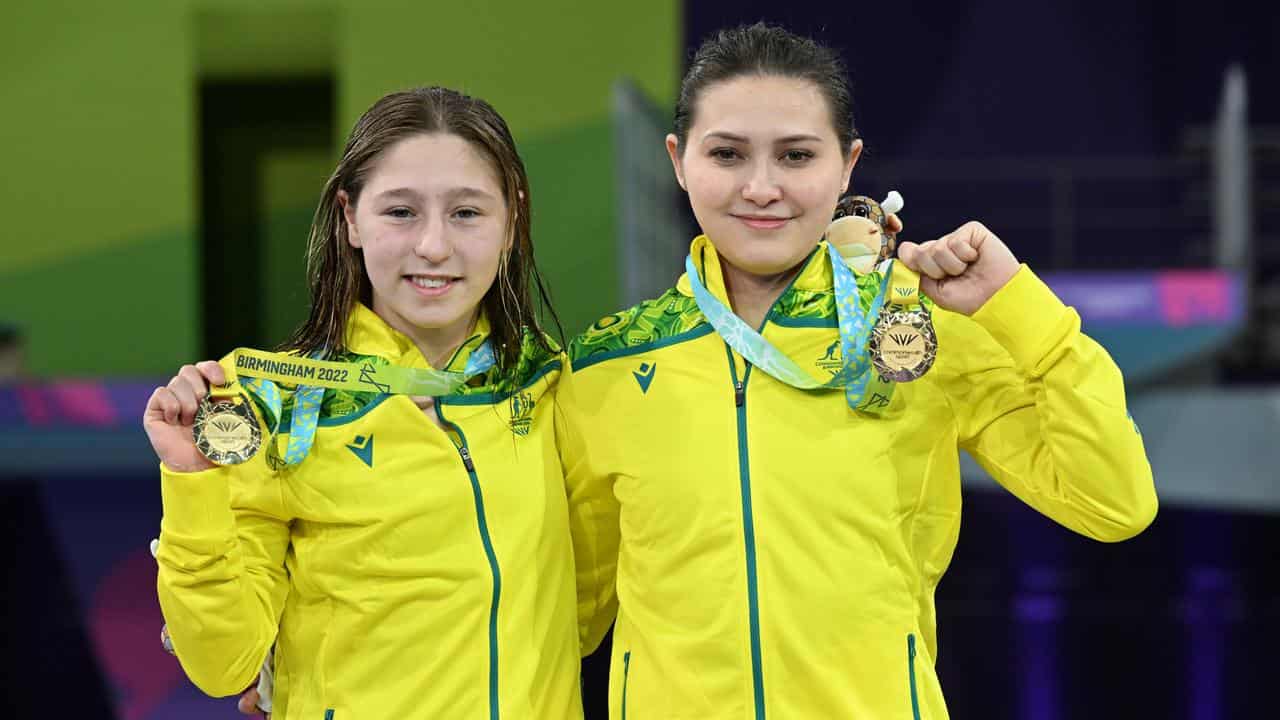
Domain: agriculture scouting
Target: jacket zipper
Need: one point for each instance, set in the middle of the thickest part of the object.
(464, 452)
(626, 674)
(744, 477)
(911, 676)
(748, 529)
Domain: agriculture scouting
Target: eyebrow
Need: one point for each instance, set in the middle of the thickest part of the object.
(399, 192)
(731, 137)
(454, 193)
(469, 192)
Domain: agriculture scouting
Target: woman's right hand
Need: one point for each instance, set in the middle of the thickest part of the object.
(248, 703)
(171, 411)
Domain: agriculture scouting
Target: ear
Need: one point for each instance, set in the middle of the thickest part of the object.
(349, 217)
(673, 150)
(855, 151)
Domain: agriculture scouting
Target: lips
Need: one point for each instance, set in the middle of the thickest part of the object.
(763, 222)
(431, 285)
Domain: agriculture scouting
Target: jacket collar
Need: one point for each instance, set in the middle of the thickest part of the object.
(815, 276)
(369, 334)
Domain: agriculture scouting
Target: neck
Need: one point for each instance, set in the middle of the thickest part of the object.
(437, 345)
(751, 295)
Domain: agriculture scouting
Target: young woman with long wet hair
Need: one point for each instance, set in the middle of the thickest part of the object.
(415, 561)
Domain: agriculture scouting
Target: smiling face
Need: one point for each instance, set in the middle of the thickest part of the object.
(763, 168)
(432, 224)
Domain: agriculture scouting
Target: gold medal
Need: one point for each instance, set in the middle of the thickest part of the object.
(226, 430)
(903, 344)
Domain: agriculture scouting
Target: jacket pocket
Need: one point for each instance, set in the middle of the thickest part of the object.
(911, 676)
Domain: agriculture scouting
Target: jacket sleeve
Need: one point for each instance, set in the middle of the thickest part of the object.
(593, 516)
(1041, 407)
(222, 581)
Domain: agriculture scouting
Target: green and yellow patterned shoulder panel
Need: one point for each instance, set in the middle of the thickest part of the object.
(673, 318)
(534, 362)
(803, 307)
(667, 319)
(799, 304)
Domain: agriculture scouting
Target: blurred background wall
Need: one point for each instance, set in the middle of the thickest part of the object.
(163, 161)
(109, 109)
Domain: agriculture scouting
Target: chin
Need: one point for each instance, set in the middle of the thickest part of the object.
(766, 258)
(435, 320)
(429, 317)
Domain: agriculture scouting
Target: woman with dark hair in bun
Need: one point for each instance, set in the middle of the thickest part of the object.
(763, 463)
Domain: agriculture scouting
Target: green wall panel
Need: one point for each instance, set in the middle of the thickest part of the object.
(101, 195)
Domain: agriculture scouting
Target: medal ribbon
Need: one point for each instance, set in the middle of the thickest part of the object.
(265, 369)
(855, 374)
(905, 301)
(904, 286)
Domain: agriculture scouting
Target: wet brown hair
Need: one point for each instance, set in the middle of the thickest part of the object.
(335, 270)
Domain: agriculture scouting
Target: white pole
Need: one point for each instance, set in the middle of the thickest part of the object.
(1232, 181)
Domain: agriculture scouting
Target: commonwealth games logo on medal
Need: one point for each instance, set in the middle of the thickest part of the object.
(225, 430)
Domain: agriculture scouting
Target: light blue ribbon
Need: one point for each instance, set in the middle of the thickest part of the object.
(855, 332)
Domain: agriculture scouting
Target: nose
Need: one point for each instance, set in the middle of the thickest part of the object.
(760, 188)
(434, 244)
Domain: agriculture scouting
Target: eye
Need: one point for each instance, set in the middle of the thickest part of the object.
(797, 157)
(400, 213)
(724, 154)
(862, 211)
(466, 213)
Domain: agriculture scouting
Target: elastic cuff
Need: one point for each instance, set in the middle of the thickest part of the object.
(197, 504)
(1027, 319)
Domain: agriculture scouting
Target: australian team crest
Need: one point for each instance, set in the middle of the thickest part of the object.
(521, 413)
(831, 361)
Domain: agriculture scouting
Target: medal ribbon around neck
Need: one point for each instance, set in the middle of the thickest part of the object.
(265, 369)
(856, 375)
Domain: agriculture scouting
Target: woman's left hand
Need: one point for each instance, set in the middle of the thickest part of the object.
(960, 271)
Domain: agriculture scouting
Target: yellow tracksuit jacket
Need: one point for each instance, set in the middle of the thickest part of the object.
(402, 571)
(775, 553)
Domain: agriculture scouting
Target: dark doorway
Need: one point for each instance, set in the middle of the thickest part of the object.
(252, 248)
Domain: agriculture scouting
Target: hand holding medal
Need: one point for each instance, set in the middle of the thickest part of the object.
(200, 411)
(902, 343)
(959, 272)
(174, 412)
